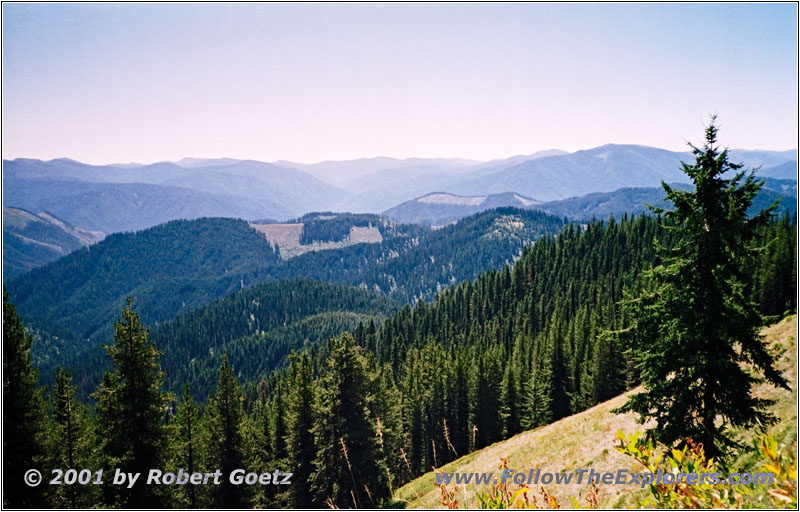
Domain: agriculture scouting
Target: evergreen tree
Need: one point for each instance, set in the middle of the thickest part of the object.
(226, 443)
(607, 369)
(260, 442)
(486, 403)
(413, 413)
(111, 447)
(389, 420)
(509, 399)
(540, 397)
(698, 328)
(349, 471)
(300, 442)
(132, 407)
(70, 443)
(24, 421)
(278, 422)
(186, 446)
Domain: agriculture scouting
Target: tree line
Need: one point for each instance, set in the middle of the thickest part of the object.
(673, 302)
(359, 415)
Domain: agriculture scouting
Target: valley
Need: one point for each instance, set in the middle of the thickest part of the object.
(597, 183)
(469, 326)
(341, 255)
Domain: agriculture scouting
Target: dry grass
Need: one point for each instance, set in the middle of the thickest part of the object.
(586, 440)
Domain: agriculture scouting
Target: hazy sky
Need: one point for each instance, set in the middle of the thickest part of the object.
(108, 83)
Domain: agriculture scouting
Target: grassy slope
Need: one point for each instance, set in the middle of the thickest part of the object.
(586, 440)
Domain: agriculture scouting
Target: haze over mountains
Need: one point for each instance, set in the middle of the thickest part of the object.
(105, 199)
(440, 208)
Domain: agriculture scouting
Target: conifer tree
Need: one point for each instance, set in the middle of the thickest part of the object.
(226, 443)
(24, 421)
(132, 406)
(413, 413)
(186, 445)
(278, 422)
(607, 369)
(349, 471)
(110, 446)
(389, 421)
(509, 400)
(695, 333)
(300, 441)
(486, 404)
(70, 443)
(540, 397)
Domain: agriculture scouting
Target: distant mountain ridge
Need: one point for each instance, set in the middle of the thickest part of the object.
(439, 208)
(174, 267)
(125, 197)
(34, 239)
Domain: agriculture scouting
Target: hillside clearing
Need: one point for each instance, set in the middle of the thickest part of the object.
(586, 440)
(287, 237)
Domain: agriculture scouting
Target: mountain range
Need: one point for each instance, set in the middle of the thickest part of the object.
(440, 208)
(105, 199)
(125, 197)
(177, 266)
(33, 239)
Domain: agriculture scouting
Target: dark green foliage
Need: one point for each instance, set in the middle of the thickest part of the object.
(486, 421)
(175, 267)
(226, 448)
(697, 327)
(516, 348)
(70, 444)
(131, 407)
(185, 449)
(410, 268)
(300, 444)
(388, 414)
(166, 269)
(335, 227)
(24, 421)
(257, 326)
(607, 371)
(774, 281)
(349, 469)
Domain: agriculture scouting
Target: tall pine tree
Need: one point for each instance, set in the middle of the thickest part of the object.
(349, 471)
(300, 442)
(226, 450)
(696, 332)
(71, 443)
(132, 408)
(23, 414)
(186, 445)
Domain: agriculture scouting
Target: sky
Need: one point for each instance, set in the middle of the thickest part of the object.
(147, 82)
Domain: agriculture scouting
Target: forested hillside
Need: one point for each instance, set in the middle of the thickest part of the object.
(586, 440)
(672, 302)
(34, 239)
(518, 347)
(167, 269)
(407, 269)
(175, 267)
(257, 327)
